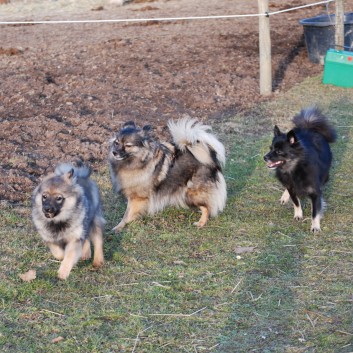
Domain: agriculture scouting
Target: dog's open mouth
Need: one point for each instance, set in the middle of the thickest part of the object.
(118, 156)
(49, 214)
(273, 165)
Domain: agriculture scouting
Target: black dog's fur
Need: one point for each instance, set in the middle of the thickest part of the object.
(302, 159)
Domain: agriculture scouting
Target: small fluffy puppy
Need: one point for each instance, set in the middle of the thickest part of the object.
(186, 172)
(66, 211)
(302, 159)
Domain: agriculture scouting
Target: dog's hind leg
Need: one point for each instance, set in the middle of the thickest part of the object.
(73, 252)
(204, 217)
(97, 240)
(56, 250)
(316, 212)
(135, 208)
(86, 250)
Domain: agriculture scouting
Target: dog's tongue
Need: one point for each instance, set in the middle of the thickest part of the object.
(274, 164)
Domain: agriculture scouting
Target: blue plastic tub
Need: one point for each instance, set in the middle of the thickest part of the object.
(319, 33)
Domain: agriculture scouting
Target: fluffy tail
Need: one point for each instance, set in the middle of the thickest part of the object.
(79, 170)
(313, 119)
(196, 137)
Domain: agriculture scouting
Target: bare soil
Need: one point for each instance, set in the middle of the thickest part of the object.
(65, 88)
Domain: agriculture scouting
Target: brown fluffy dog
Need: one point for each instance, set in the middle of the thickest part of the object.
(152, 175)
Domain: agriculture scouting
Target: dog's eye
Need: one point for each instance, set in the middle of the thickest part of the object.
(279, 152)
(116, 142)
(59, 199)
(44, 197)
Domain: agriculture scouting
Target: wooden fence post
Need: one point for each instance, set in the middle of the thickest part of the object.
(265, 50)
(339, 32)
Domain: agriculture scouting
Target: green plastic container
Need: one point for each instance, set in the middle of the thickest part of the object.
(338, 69)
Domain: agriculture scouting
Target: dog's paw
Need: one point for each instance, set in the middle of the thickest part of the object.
(63, 274)
(60, 256)
(285, 197)
(315, 229)
(86, 251)
(57, 251)
(85, 257)
(315, 225)
(117, 229)
(298, 213)
(98, 263)
(199, 224)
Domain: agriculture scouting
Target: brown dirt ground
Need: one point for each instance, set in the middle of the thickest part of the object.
(66, 88)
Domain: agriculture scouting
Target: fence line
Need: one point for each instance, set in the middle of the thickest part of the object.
(161, 19)
(300, 7)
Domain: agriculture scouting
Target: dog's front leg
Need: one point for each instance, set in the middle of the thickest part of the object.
(135, 208)
(57, 250)
(73, 252)
(285, 197)
(316, 212)
(298, 212)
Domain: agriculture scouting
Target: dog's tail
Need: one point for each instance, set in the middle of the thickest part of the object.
(313, 119)
(79, 170)
(189, 134)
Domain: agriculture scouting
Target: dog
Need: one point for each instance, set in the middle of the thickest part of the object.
(66, 212)
(186, 172)
(302, 159)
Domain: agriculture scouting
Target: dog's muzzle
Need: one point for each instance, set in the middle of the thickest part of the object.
(49, 212)
(118, 156)
(270, 164)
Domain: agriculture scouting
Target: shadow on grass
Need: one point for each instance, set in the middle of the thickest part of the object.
(340, 147)
(264, 310)
(114, 206)
(242, 136)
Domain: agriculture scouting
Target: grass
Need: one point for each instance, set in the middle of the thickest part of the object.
(168, 287)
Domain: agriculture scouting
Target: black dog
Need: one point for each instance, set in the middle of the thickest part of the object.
(302, 159)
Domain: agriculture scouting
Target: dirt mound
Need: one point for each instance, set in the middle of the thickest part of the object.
(66, 88)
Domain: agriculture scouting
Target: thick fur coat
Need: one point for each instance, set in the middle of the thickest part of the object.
(66, 211)
(302, 159)
(186, 172)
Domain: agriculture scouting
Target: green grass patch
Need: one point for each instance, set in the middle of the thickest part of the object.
(169, 287)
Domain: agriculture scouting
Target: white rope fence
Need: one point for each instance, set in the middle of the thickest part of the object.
(161, 19)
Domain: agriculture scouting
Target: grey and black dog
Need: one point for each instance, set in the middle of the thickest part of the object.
(66, 211)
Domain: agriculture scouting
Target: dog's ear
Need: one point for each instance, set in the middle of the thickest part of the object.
(277, 131)
(129, 124)
(147, 129)
(70, 176)
(292, 137)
